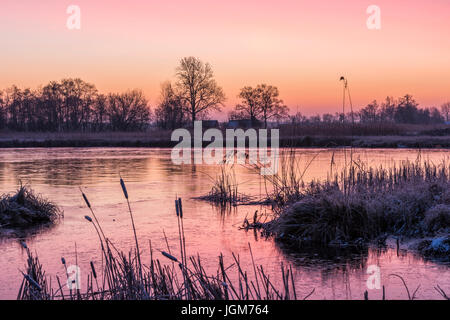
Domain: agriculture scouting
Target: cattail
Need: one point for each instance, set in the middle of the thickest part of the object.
(169, 256)
(180, 207)
(63, 261)
(88, 218)
(124, 188)
(23, 244)
(32, 282)
(93, 270)
(86, 199)
(176, 208)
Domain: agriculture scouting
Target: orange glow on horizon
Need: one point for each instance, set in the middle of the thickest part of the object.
(303, 47)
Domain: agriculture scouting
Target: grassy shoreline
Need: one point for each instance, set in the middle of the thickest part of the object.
(162, 140)
(359, 206)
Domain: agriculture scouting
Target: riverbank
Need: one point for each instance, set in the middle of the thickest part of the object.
(161, 139)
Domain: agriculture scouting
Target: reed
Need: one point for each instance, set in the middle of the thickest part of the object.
(123, 275)
(224, 191)
(360, 203)
(125, 193)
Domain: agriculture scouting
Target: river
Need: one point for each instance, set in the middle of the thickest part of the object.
(153, 182)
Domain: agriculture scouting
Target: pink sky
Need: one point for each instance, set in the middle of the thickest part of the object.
(303, 47)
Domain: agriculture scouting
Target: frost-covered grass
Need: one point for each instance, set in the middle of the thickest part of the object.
(25, 209)
(359, 204)
(224, 191)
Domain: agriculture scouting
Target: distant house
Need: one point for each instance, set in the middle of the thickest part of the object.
(273, 124)
(244, 124)
(208, 124)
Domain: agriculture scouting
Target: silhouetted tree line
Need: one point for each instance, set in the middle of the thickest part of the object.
(75, 105)
(404, 110)
(72, 105)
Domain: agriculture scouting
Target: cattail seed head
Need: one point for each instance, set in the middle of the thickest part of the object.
(33, 282)
(88, 218)
(176, 208)
(63, 261)
(23, 244)
(93, 270)
(124, 188)
(169, 256)
(180, 207)
(86, 200)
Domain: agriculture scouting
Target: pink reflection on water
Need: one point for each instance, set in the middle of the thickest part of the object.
(153, 182)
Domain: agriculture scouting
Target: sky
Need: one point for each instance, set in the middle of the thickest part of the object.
(302, 47)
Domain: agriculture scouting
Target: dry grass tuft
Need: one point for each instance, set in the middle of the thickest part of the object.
(224, 191)
(25, 209)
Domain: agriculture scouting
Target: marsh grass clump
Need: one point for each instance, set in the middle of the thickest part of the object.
(225, 190)
(437, 219)
(359, 205)
(26, 209)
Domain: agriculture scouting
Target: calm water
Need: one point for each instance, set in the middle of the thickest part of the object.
(153, 182)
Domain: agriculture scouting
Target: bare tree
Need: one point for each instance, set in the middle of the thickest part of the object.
(370, 113)
(445, 110)
(128, 111)
(327, 118)
(435, 117)
(3, 112)
(13, 107)
(78, 97)
(387, 111)
(51, 107)
(250, 106)
(407, 110)
(298, 118)
(169, 113)
(100, 113)
(270, 103)
(197, 88)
